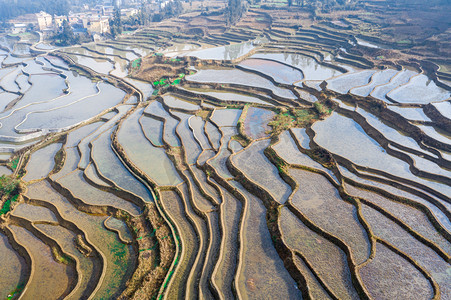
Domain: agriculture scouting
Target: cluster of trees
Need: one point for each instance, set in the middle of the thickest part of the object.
(116, 23)
(145, 15)
(66, 36)
(10, 9)
(322, 3)
(234, 11)
(172, 9)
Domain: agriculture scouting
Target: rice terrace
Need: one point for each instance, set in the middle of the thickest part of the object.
(271, 149)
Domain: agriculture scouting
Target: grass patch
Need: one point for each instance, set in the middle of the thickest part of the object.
(302, 117)
(16, 292)
(9, 192)
(160, 82)
(7, 204)
(323, 157)
(286, 119)
(240, 139)
(281, 122)
(234, 106)
(62, 258)
(276, 160)
(119, 253)
(174, 151)
(136, 64)
(322, 109)
(8, 185)
(13, 164)
(203, 114)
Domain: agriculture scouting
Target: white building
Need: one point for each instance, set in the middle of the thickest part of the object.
(19, 28)
(44, 20)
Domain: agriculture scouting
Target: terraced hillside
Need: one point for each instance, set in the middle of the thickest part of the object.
(251, 163)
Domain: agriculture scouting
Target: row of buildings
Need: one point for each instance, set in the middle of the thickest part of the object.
(93, 21)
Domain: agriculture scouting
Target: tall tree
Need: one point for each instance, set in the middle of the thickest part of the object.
(234, 11)
(66, 37)
(172, 9)
(116, 23)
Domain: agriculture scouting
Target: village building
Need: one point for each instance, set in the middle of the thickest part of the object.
(58, 20)
(44, 20)
(19, 28)
(27, 19)
(99, 25)
(128, 12)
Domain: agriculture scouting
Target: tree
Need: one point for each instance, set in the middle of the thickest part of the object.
(234, 11)
(67, 37)
(172, 9)
(116, 23)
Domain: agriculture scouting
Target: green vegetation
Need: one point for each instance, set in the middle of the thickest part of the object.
(286, 119)
(66, 36)
(62, 258)
(203, 114)
(8, 185)
(7, 204)
(322, 156)
(119, 253)
(179, 79)
(322, 109)
(160, 82)
(302, 117)
(116, 23)
(13, 163)
(282, 121)
(234, 11)
(166, 82)
(276, 160)
(136, 64)
(9, 192)
(240, 139)
(171, 9)
(16, 292)
(23, 35)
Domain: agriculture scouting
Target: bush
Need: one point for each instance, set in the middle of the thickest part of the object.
(7, 205)
(8, 185)
(322, 109)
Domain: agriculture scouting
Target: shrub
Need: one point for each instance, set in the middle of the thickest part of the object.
(8, 185)
(7, 205)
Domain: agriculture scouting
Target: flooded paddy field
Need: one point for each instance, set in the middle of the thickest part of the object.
(275, 167)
